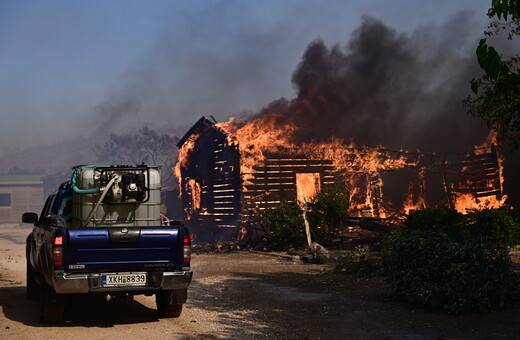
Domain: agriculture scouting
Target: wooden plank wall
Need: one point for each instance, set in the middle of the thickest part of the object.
(479, 174)
(214, 166)
(274, 181)
(221, 195)
(476, 172)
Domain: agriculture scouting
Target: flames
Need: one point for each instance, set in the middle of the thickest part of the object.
(415, 203)
(361, 166)
(308, 185)
(183, 157)
(466, 201)
(258, 136)
(271, 133)
(195, 192)
(270, 149)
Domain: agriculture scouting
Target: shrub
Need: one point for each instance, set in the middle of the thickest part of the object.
(329, 208)
(285, 227)
(440, 219)
(500, 227)
(430, 269)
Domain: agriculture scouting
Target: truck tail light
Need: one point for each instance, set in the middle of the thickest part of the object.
(57, 251)
(186, 248)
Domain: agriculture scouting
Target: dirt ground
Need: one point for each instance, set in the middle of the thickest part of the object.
(242, 295)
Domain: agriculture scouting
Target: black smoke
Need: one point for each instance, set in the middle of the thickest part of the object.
(401, 91)
(386, 88)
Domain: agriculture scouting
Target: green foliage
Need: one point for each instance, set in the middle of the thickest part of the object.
(497, 92)
(285, 228)
(490, 61)
(430, 269)
(511, 26)
(285, 225)
(447, 261)
(504, 8)
(440, 219)
(498, 95)
(499, 227)
(329, 208)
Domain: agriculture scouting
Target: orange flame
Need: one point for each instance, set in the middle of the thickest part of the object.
(270, 133)
(415, 202)
(183, 156)
(465, 202)
(256, 137)
(360, 167)
(308, 185)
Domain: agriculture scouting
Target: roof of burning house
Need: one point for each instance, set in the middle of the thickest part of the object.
(199, 127)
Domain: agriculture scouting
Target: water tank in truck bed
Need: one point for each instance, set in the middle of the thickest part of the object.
(120, 214)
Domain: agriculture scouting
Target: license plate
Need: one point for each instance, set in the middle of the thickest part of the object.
(124, 280)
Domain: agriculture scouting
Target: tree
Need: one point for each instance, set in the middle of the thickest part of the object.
(144, 146)
(497, 92)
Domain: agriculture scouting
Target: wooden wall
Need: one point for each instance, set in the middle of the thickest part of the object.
(274, 181)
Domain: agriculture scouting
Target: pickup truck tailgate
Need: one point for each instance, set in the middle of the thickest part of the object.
(123, 248)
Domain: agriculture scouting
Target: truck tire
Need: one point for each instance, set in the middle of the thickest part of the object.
(52, 306)
(32, 291)
(166, 306)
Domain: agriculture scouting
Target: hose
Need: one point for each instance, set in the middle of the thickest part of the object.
(78, 190)
(103, 194)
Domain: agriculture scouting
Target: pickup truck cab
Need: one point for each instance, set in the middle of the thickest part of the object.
(102, 233)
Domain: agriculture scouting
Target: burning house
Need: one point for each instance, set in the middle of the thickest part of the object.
(230, 173)
(355, 107)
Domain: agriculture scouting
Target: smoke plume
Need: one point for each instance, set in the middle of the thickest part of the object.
(385, 88)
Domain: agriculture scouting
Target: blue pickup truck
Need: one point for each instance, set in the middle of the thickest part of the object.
(102, 233)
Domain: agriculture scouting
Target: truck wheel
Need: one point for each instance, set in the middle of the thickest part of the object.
(165, 307)
(52, 306)
(32, 288)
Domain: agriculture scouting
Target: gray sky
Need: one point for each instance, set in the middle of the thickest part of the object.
(68, 68)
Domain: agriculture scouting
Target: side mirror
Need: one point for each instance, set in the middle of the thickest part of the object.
(29, 217)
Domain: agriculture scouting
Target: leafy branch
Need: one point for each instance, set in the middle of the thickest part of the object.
(496, 97)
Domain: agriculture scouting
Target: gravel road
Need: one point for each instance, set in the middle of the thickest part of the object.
(242, 295)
